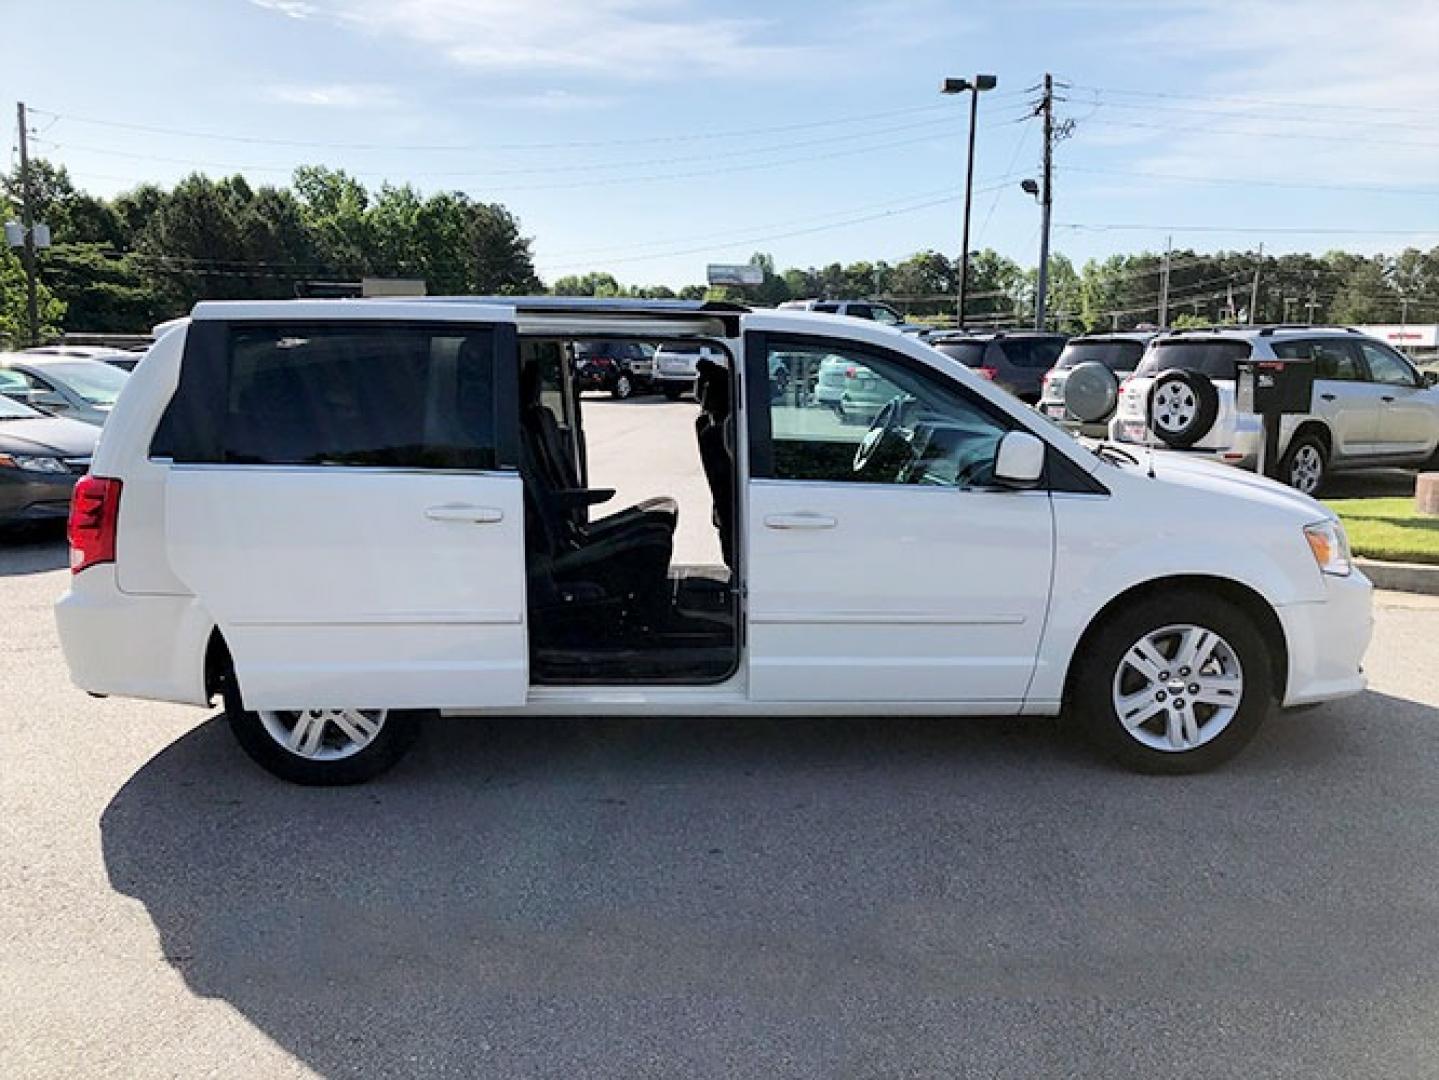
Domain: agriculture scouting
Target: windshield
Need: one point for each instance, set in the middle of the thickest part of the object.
(1214, 358)
(10, 409)
(97, 383)
(1115, 355)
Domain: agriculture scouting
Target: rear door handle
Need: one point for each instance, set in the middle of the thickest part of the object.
(1386, 397)
(1326, 397)
(465, 512)
(801, 520)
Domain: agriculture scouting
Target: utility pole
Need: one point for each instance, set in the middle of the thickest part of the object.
(1046, 202)
(1254, 289)
(1164, 283)
(1311, 305)
(27, 221)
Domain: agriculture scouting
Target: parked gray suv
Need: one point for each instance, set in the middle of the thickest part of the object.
(1017, 360)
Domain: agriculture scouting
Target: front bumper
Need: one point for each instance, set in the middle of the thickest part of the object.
(1327, 639)
(34, 496)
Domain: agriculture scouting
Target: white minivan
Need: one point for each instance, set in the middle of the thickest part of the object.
(342, 515)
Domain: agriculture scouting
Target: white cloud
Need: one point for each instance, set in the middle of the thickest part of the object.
(293, 9)
(1340, 71)
(334, 96)
(620, 39)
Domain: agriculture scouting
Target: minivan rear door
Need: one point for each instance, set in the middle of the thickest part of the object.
(338, 500)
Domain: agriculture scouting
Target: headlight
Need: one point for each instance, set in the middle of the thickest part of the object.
(1330, 547)
(31, 463)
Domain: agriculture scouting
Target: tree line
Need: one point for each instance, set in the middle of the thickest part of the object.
(121, 265)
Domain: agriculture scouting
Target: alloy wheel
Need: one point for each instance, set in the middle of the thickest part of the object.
(324, 734)
(1175, 407)
(1178, 687)
(1306, 469)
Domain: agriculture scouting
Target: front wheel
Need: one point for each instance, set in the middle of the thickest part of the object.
(1176, 683)
(1304, 465)
(321, 747)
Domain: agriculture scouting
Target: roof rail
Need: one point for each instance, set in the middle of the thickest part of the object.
(1268, 330)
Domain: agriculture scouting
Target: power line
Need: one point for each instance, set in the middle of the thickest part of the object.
(1300, 135)
(1260, 230)
(574, 144)
(1308, 106)
(1242, 181)
(1232, 114)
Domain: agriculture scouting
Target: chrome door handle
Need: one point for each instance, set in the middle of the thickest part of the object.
(801, 520)
(465, 512)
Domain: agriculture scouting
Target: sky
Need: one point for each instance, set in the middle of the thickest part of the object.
(651, 137)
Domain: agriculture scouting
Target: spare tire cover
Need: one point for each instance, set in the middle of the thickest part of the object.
(1183, 406)
(1090, 392)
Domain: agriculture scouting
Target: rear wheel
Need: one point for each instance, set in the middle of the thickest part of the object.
(321, 747)
(1177, 683)
(1304, 465)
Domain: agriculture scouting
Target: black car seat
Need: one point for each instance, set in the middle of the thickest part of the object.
(557, 467)
(716, 451)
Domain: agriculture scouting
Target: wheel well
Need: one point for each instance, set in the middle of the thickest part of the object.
(1241, 596)
(218, 665)
(1319, 430)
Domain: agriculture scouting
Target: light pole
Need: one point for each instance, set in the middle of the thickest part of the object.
(975, 87)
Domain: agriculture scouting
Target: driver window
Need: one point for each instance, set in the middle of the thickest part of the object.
(1385, 367)
(856, 416)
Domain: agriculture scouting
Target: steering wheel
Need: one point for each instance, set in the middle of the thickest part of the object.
(883, 432)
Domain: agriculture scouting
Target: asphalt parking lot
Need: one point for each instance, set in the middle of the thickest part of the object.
(664, 898)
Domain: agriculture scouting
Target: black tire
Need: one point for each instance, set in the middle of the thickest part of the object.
(398, 734)
(1201, 407)
(624, 387)
(672, 393)
(1306, 453)
(1108, 650)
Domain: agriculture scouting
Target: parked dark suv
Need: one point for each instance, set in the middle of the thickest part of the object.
(624, 368)
(1013, 359)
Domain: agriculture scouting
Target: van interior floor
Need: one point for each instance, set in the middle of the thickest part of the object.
(690, 638)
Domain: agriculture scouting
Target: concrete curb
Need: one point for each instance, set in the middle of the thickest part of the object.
(1401, 576)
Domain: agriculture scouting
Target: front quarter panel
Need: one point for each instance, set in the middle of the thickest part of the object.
(1107, 545)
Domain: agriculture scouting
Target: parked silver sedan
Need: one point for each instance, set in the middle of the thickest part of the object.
(71, 387)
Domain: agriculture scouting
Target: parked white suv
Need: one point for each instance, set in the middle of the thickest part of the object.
(1371, 407)
(871, 310)
(337, 515)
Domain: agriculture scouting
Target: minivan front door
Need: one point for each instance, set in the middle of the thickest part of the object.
(344, 519)
(884, 565)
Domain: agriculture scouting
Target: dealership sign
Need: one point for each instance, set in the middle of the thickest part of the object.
(1417, 336)
(735, 274)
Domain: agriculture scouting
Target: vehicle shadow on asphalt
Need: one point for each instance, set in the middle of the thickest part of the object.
(762, 896)
(32, 550)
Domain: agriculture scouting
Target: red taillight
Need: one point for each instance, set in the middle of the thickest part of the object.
(94, 513)
(986, 372)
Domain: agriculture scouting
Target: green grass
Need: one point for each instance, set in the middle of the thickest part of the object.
(1389, 529)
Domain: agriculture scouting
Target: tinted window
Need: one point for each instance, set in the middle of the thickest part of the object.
(1115, 355)
(831, 308)
(859, 311)
(1386, 367)
(361, 395)
(1213, 358)
(968, 353)
(1031, 352)
(874, 419)
(1333, 359)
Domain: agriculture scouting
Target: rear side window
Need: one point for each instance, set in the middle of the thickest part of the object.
(1213, 358)
(1333, 359)
(1115, 355)
(968, 353)
(1031, 352)
(354, 394)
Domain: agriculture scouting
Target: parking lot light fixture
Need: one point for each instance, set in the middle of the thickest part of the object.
(974, 87)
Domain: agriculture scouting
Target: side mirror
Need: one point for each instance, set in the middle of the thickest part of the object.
(1430, 377)
(1019, 461)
